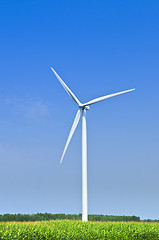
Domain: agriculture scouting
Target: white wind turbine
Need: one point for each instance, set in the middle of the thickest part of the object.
(82, 110)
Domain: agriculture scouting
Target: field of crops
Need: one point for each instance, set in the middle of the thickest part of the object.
(68, 229)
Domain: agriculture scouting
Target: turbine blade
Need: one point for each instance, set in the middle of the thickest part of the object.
(70, 93)
(75, 123)
(106, 97)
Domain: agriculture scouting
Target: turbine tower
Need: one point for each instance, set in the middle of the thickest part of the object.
(82, 108)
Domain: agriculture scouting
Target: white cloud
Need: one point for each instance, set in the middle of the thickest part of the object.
(31, 108)
(37, 110)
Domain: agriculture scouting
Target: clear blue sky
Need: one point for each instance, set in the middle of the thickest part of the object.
(97, 47)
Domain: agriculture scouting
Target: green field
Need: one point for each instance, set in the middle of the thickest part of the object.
(69, 229)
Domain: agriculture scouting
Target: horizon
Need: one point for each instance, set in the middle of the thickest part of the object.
(76, 214)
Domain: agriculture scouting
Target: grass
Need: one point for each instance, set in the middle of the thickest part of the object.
(69, 229)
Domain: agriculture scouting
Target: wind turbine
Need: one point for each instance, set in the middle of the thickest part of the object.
(82, 108)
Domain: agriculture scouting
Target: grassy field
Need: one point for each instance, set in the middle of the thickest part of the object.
(69, 229)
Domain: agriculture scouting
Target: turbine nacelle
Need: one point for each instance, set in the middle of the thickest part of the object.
(84, 107)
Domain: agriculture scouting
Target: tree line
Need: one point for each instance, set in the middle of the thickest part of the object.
(49, 216)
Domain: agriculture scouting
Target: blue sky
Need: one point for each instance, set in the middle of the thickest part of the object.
(97, 47)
